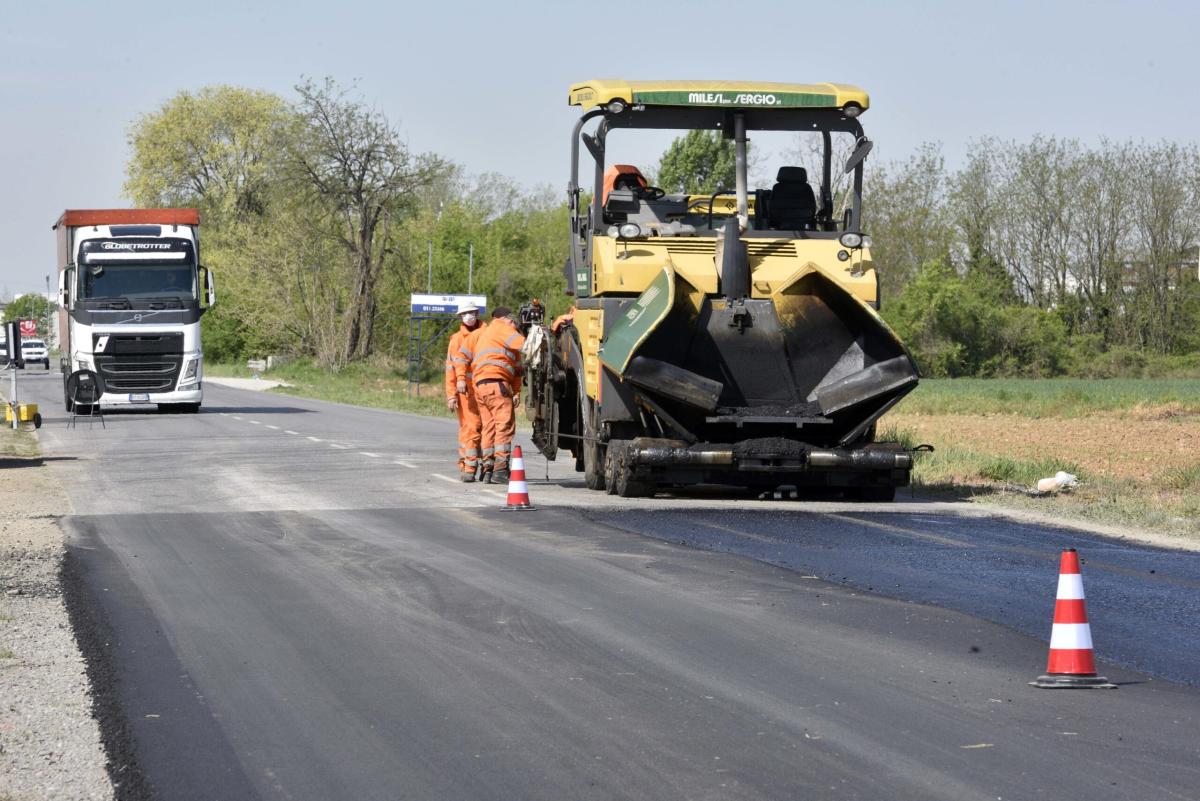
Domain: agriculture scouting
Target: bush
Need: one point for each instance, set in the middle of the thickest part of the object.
(222, 336)
(1025, 342)
(1116, 363)
(959, 326)
(970, 326)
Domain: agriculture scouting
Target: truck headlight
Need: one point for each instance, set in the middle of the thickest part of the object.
(83, 364)
(190, 371)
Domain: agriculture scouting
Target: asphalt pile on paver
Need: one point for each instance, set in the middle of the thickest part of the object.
(50, 746)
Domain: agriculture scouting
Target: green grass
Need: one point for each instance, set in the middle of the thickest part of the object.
(1050, 397)
(19, 443)
(1185, 479)
(947, 466)
(7, 653)
(376, 384)
(956, 472)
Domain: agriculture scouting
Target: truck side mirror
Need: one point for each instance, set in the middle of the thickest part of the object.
(64, 286)
(208, 289)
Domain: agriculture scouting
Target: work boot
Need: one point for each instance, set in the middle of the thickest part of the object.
(467, 478)
(486, 477)
(500, 477)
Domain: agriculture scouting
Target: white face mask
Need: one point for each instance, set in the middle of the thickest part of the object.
(469, 318)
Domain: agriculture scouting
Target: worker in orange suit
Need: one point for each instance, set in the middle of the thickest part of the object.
(494, 353)
(460, 397)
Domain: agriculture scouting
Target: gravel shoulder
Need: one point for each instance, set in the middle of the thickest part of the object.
(50, 746)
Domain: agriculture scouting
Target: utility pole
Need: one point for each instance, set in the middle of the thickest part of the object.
(470, 266)
(49, 308)
(429, 283)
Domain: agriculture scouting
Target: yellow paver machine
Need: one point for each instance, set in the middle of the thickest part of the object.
(732, 338)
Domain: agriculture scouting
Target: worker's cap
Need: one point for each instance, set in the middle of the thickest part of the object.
(467, 307)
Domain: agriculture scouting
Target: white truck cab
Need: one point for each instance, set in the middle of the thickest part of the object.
(132, 293)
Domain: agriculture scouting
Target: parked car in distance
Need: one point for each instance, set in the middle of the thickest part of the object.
(34, 351)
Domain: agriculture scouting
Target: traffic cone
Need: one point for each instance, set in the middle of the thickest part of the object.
(1070, 664)
(518, 492)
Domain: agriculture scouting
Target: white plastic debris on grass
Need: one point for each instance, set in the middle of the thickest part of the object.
(1059, 481)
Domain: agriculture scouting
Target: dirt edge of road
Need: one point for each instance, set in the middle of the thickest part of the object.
(990, 507)
(52, 747)
(94, 641)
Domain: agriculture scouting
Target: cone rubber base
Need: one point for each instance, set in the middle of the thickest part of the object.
(518, 508)
(1067, 681)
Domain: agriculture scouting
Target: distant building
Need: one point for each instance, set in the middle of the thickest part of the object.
(1186, 270)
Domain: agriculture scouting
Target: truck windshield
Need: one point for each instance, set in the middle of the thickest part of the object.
(133, 269)
(138, 281)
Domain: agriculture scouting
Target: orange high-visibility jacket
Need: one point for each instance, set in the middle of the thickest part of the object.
(454, 358)
(493, 351)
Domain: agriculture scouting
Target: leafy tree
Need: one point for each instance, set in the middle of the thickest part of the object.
(904, 210)
(28, 307)
(219, 148)
(351, 161)
(698, 163)
(223, 149)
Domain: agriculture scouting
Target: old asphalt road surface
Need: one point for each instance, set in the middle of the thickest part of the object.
(287, 599)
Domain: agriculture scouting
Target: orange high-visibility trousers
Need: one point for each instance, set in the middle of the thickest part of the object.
(495, 399)
(470, 432)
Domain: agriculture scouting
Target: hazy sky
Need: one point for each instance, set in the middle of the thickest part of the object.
(485, 84)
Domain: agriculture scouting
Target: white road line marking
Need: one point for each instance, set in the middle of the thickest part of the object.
(294, 433)
(235, 417)
(445, 478)
(493, 492)
(403, 463)
(368, 453)
(898, 530)
(223, 414)
(273, 428)
(254, 422)
(339, 447)
(316, 439)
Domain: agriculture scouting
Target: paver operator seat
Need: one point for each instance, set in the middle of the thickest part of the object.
(793, 206)
(623, 176)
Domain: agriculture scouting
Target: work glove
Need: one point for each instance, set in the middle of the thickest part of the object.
(452, 404)
(461, 387)
(517, 400)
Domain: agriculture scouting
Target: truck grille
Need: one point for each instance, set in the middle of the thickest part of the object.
(141, 362)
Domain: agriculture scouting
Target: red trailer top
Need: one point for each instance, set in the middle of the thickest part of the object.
(76, 217)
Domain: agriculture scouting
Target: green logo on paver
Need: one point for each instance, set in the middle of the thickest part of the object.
(740, 99)
(630, 330)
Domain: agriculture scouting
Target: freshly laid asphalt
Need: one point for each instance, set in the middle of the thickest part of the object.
(1143, 602)
(282, 598)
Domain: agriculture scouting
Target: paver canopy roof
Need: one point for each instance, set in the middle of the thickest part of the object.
(735, 94)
